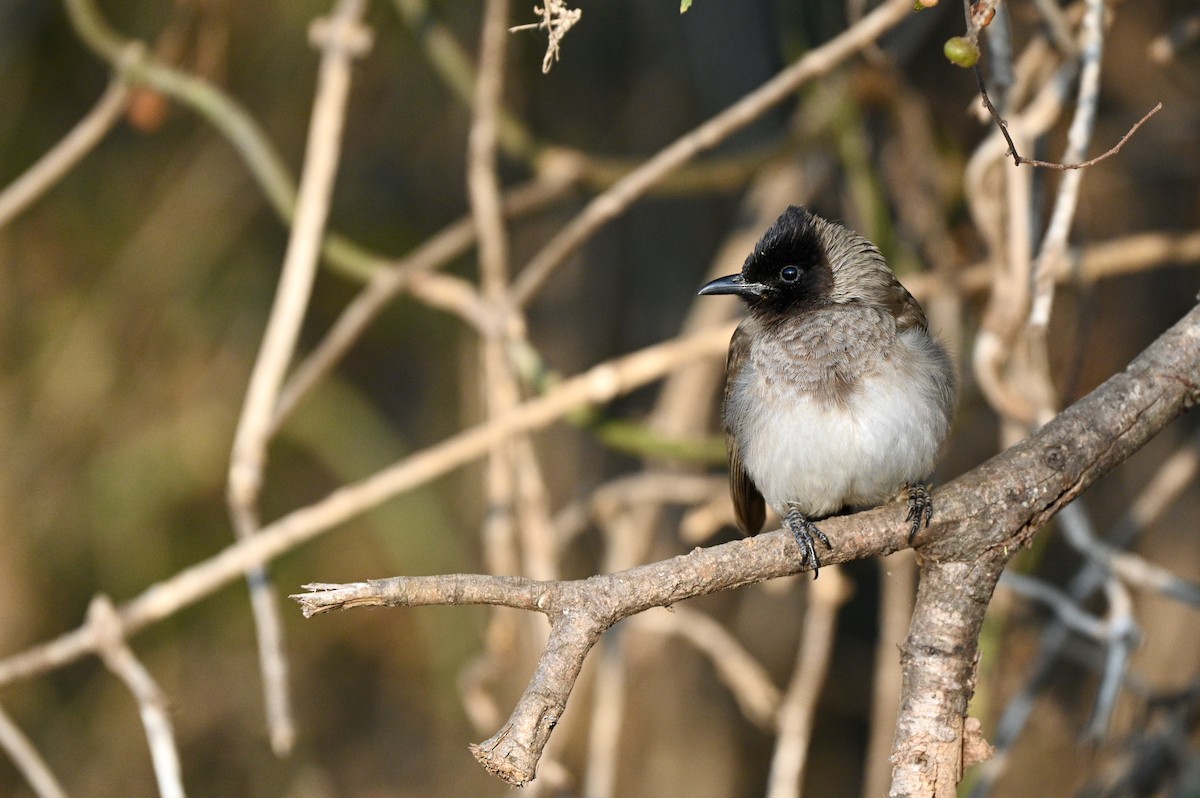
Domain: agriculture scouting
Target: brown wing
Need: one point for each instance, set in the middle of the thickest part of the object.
(906, 309)
(748, 504)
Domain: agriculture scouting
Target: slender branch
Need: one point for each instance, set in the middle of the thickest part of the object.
(983, 518)
(152, 705)
(1163, 489)
(744, 676)
(605, 207)
(799, 705)
(64, 155)
(898, 581)
(1019, 159)
(1088, 264)
(27, 760)
(1068, 611)
(341, 39)
(598, 385)
(1054, 243)
(394, 277)
(1126, 565)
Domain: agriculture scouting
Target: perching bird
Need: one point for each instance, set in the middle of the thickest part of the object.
(836, 394)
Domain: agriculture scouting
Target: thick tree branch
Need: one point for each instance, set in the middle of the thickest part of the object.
(982, 518)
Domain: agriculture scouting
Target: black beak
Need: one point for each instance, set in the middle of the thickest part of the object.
(733, 284)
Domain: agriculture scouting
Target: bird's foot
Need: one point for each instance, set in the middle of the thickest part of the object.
(804, 531)
(920, 508)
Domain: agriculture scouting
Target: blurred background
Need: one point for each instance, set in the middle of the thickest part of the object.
(133, 296)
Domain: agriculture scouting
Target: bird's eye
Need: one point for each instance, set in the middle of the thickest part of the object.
(789, 274)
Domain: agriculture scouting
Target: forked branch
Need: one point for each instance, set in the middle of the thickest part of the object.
(982, 519)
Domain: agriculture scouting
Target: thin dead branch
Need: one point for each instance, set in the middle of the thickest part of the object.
(1020, 160)
(983, 518)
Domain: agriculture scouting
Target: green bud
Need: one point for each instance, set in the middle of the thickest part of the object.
(961, 51)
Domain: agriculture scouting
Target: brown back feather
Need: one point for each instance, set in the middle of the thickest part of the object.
(748, 503)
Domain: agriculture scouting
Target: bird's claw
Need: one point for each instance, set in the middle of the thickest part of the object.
(804, 532)
(920, 508)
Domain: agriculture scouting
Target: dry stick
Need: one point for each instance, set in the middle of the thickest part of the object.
(64, 155)
(456, 296)
(132, 62)
(1092, 263)
(341, 39)
(152, 705)
(647, 488)
(28, 760)
(497, 382)
(1053, 248)
(1117, 633)
(608, 711)
(1067, 610)
(1127, 566)
(983, 518)
(742, 674)
(898, 581)
(1005, 225)
(628, 531)
(1123, 634)
(799, 704)
(1019, 159)
(600, 384)
(1163, 489)
(396, 276)
(940, 650)
(625, 191)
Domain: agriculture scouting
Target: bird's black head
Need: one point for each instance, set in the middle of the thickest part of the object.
(788, 271)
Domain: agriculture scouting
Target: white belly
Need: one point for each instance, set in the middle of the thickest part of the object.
(821, 456)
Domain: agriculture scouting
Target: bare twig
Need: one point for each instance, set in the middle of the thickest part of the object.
(341, 39)
(394, 277)
(27, 759)
(1019, 159)
(630, 188)
(1068, 611)
(983, 518)
(1123, 635)
(557, 19)
(103, 620)
(598, 385)
(1088, 264)
(1125, 565)
(69, 151)
(898, 582)
(743, 675)
(799, 703)
(1160, 492)
(499, 386)
(1054, 243)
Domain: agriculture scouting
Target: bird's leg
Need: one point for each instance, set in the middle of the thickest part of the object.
(804, 531)
(920, 508)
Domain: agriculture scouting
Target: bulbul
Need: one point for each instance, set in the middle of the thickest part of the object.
(837, 397)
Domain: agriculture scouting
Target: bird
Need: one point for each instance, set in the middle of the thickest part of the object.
(837, 396)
